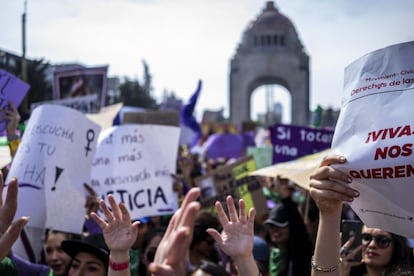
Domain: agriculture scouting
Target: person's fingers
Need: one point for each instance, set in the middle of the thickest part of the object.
(161, 270)
(232, 209)
(99, 220)
(352, 253)
(215, 235)
(332, 159)
(252, 215)
(116, 212)
(172, 224)
(242, 211)
(189, 215)
(7, 240)
(318, 194)
(349, 242)
(124, 211)
(333, 186)
(108, 215)
(191, 196)
(12, 106)
(10, 205)
(91, 191)
(221, 214)
(327, 172)
(179, 246)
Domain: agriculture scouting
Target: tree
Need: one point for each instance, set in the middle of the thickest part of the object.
(133, 94)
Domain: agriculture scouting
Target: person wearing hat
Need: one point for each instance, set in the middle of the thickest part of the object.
(291, 247)
(90, 256)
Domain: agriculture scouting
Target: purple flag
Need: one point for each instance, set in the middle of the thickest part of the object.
(187, 113)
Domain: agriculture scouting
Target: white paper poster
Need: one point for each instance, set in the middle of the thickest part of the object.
(375, 132)
(52, 162)
(134, 163)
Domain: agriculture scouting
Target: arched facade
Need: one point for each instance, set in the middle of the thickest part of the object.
(270, 53)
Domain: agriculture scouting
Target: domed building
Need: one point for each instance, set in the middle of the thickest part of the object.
(270, 53)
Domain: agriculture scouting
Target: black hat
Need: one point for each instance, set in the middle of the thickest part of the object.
(278, 217)
(93, 244)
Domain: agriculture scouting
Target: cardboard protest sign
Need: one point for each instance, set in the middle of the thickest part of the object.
(52, 162)
(11, 89)
(298, 170)
(106, 115)
(134, 163)
(232, 180)
(167, 118)
(291, 142)
(262, 156)
(85, 104)
(375, 132)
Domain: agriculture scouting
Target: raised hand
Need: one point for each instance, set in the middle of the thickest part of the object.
(9, 232)
(119, 233)
(329, 187)
(172, 256)
(236, 238)
(12, 116)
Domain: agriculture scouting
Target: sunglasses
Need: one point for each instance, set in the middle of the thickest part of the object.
(381, 240)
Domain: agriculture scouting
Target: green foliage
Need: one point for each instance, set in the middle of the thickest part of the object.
(133, 94)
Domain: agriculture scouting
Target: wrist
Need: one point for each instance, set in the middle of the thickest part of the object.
(119, 261)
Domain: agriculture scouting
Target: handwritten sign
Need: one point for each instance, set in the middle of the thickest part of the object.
(52, 162)
(232, 180)
(13, 89)
(375, 132)
(134, 163)
(291, 142)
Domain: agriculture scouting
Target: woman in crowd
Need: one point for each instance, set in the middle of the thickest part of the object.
(150, 244)
(291, 247)
(55, 257)
(383, 253)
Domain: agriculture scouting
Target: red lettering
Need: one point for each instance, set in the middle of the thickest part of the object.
(405, 131)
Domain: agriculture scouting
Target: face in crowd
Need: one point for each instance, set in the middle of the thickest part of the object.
(378, 247)
(55, 257)
(86, 264)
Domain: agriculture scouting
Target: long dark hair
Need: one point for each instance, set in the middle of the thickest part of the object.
(401, 262)
(402, 256)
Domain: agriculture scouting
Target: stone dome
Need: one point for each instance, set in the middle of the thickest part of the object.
(269, 20)
(270, 31)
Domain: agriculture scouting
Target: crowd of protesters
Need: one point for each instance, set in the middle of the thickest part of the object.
(227, 241)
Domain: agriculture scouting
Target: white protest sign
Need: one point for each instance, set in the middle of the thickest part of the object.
(375, 132)
(52, 162)
(134, 162)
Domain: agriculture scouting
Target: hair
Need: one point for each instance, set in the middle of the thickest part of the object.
(402, 256)
(53, 231)
(401, 262)
(203, 221)
(299, 246)
(213, 269)
(158, 231)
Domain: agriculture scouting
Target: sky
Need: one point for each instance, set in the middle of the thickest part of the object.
(186, 40)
